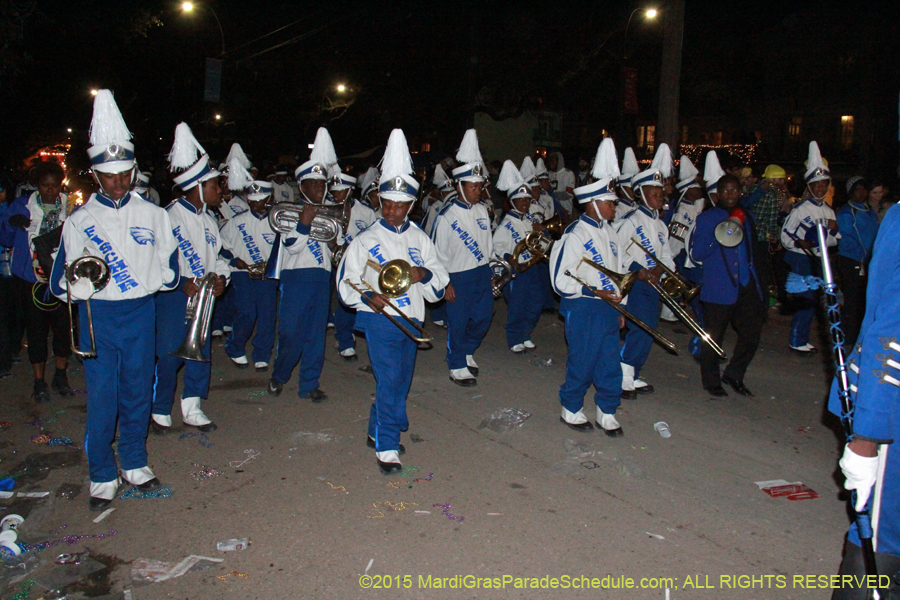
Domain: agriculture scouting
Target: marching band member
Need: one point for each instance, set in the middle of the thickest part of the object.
(247, 242)
(199, 243)
(870, 462)
(283, 190)
(592, 325)
(522, 292)
(304, 267)
(546, 200)
(445, 188)
(630, 168)
(690, 204)
(462, 236)
(731, 293)
(540, 212)
(134, 238)
(391, 352)
(236, 204)
(362, 216)
(798, 235)
(142, 185)
(644, 225)
(562, 180)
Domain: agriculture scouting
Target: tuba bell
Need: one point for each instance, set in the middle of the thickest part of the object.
(502, 273)
(554, 227)
(538, 244)
(96, 271)
(198, 317)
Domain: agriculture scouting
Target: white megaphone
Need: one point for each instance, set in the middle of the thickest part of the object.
(730, 232)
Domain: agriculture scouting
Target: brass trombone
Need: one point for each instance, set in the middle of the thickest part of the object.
(394, 279)
(538, 243)
(96, 271)
(668, 345)
(669, 293)
(674, 285)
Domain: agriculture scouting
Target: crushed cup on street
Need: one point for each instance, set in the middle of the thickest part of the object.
(663, 428)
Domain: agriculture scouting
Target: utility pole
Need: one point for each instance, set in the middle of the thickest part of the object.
(670, 75)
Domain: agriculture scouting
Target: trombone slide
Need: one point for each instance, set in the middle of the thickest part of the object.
(665, 343)
(420, 340)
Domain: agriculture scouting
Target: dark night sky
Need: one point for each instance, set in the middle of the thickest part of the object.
(408, 64)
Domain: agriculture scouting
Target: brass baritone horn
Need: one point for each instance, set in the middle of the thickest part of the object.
(537, 243)
(677, 229)
(394, 280)
(502, 273)
(679, 287)
(198, 317)
(665, 343)
(257, 271)
(623, 282)
(96, 271)
(329, 223)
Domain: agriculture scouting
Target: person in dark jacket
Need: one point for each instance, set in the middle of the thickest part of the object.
(858, 226)
(731, 292)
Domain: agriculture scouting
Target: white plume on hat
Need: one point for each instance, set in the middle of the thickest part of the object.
(323, 149)
(397, 160)
(369, 177)
(107, 126)
(440, 176)
(238, 176)
(712, 172)
(606, 164)
(237, 152)
(662, 162)
(687, 170)
(527, 169)
(468, 152)
(539, 167)
(510, 179)
(185, 150)
(815, 162)
(629, 163)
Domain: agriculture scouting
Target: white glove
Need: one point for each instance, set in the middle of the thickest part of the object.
(82, 289)
(860, 472)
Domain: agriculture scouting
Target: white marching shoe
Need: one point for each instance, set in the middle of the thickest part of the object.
(193, 416)
(463, 377)
(529, 344)
(240, 362)
(518, 348)
(473, 366)
(576, 420)
(609, 424)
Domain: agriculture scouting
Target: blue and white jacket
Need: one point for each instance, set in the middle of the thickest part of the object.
(249, 237)
(382, 243)
(199, 242)
(462, 236)
(594, 240)
(644, 226)
(133, 236)
(801, 224)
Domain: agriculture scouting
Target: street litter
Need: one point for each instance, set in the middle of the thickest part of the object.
(234, 574)
(504, 419)
(655, 535)
(233, 544)
(663, 429)
(779, 488)
(154, 571)
(450, 515)
(104, 514)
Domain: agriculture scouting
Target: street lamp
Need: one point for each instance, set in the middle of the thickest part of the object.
(341, 87)
(649, 13)
(94, 92)
(189, 7)
(218, 116)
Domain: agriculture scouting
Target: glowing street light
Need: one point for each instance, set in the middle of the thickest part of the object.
(651, 13)
(94, 92)
(187, 7)
(341, 87)
(69, 130)
(218, 116)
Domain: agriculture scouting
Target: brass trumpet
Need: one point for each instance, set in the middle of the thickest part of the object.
(394, 280)
(665, 343)
(198, 317)
(677, 229)
(686, 292)
(96, 271)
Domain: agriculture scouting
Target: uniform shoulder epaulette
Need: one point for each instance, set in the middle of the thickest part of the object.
(629, 213)
(571, 226)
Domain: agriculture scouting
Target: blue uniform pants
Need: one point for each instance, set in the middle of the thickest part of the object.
(545, 288)
(119, 384)
(695, 276)
(522, 296)
(303, 316)
(592, 332)
(439, 312)
(643, 303)
(470, 316)
(393, 358)
(170, 332)
(225, 310)
(255, 302)
(344, 321)
(805, 302)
